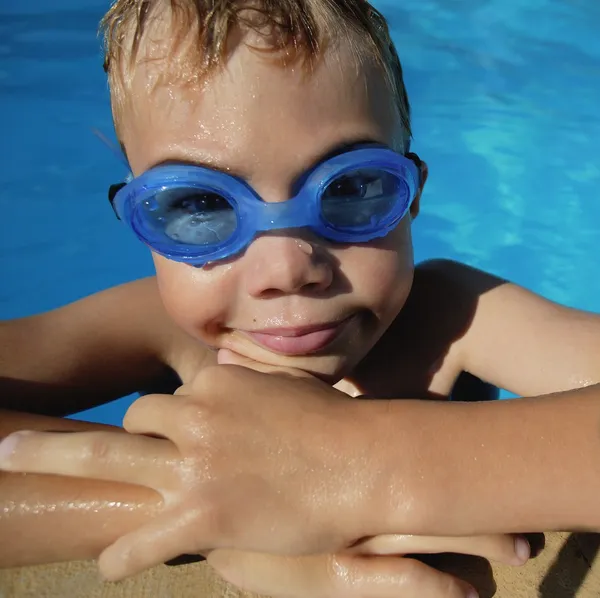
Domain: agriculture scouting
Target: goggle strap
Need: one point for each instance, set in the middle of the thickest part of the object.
(112, 193)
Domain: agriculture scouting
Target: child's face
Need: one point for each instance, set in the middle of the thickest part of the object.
(291, 298)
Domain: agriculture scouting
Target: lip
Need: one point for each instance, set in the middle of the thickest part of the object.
(298, 341)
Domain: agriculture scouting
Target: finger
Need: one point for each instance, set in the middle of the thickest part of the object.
(111, 456)
(273, 575)
(163, 539)
(335, 576)
(157, 415)
(228, 357)
(504, 548)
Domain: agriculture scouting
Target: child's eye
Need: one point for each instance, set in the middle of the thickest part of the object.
(195, 217)
(195, 203)
(362, 197)
(354, 186)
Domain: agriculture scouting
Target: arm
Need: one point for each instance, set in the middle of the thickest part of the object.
(370, 467)
(470, 468)
(44, 515)
(512, 465)
(89, 352)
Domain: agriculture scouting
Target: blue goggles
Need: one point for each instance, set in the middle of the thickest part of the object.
(196, 215)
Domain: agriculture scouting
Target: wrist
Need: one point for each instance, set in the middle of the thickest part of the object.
(478, 468)
(403, 492)
(388, 489)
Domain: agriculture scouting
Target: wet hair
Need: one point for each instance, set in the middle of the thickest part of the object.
(200, 34)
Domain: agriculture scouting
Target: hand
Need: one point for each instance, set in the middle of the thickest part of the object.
(269, 463)
(358, 572)
(220, 484)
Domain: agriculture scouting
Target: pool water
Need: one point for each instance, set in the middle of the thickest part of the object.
(505, 97)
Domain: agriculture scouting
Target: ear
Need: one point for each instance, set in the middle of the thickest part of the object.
(423, 174)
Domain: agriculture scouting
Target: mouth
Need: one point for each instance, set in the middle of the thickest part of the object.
(303, 340)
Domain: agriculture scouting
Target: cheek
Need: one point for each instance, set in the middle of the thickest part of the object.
(381, 273)
(193, 298)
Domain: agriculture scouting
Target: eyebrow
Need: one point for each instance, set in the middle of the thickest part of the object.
(336, 150)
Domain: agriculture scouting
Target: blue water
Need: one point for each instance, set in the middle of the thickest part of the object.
(505, 96)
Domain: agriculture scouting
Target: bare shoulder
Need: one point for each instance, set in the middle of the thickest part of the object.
(445, 298)
(513, 337)
(460, 277)
(105, 345)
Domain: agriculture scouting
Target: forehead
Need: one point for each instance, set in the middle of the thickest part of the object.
(259, 118)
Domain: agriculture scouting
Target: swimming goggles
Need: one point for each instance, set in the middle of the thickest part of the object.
(196, 215)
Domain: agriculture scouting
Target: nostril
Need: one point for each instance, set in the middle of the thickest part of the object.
(312, 286)
(271, 293)
(286, 289)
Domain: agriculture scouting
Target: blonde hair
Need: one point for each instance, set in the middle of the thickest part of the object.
(201, 30)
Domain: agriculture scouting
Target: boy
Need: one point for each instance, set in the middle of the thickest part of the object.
(274, 185)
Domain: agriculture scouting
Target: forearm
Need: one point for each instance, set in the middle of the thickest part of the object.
(42, 372)
(52, 518)
(506, 466)
(88, 352)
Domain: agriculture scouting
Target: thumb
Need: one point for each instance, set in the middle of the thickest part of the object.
(228, 357)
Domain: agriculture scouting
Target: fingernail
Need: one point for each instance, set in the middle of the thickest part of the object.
(106, 576)
(522, 549)
(223, 356)
(8, 446)
(472, 593)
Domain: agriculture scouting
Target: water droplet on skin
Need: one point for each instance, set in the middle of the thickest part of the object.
(304, 246)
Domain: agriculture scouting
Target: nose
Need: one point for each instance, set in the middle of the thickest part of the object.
(281, 265)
